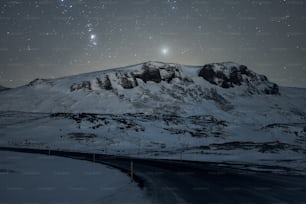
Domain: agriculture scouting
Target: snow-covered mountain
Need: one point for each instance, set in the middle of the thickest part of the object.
(216, 112)
(152, 87)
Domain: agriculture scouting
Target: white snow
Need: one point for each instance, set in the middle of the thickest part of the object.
(271, 129)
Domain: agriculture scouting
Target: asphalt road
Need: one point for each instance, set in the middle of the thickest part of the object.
(188, 182)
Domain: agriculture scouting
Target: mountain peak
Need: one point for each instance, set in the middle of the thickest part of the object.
(159, 64)
(225, 75)
(230, 74)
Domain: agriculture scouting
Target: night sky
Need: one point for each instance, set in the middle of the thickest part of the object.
(54, 38)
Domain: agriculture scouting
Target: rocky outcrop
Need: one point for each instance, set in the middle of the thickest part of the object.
(229, 75)
(36, 82)
(104, 83)
(128, 82)
(158, 71)
(149, 72)
(225, 75)
(81, 85)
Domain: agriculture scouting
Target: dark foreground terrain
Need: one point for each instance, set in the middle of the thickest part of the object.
(198, 182)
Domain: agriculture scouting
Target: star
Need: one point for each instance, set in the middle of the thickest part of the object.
(92, 40)
(165, 51)
(165, 30)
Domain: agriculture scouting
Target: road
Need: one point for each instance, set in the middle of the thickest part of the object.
(198, 182)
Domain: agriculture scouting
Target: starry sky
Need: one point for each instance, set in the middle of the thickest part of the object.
(54, 38)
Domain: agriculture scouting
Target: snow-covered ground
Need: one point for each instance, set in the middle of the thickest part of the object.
(33, 178)
(221, 112)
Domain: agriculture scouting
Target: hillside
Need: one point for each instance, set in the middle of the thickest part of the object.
(2, 88)
(150, 87)
(216, 112)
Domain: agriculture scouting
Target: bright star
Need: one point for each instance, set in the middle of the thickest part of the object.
(92, 36)
(165, 51)
(93, 40)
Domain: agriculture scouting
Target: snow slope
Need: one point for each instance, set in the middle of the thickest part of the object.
(216, 112)
(2, 88)
(32, 178)
(150, 87)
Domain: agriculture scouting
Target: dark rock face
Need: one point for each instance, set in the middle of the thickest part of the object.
(150, 74)
(81, 85)
(36, 81)
(226, 75)
(150, 71)
(170, 72)
(274, 90)
(128, 82)
(229, 75)
(105, 83)
(158, 72)
(235, 77)
(208, 73)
